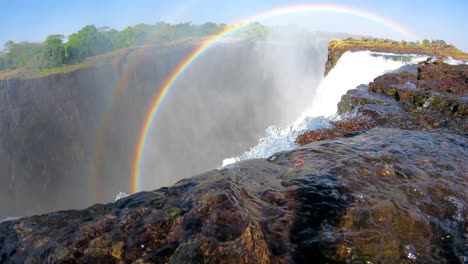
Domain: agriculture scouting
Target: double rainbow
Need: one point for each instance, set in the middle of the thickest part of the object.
(168, 84)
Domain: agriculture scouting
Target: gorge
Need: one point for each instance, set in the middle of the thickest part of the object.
(385, 183)
(68, 139)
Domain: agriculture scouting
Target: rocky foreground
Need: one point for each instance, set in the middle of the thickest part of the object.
(389, 184)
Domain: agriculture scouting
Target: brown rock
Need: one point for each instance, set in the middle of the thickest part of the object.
(435, 98)
(386, 195)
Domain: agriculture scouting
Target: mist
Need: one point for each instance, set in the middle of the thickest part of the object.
(61, 152)
(221, 106)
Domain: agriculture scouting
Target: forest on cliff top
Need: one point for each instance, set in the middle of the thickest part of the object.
(58, 50)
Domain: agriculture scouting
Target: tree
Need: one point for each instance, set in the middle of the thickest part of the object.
(134, 36)
(3, 63)
(7, 61)
(209, 28)
(8, 45)
(53, 54)
(91, 41)
(23, 55)
(426, 43)
(87, 42)
(439, 42)
(254, 31)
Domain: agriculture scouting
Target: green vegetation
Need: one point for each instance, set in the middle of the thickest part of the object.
(425, 42)
(254, 31)
(56, 52)
(53, 51)
(437, 48)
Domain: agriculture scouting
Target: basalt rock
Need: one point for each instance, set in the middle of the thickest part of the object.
(434, 98)
(383, 196)
(344, 128)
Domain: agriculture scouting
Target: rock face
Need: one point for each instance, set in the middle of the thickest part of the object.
(49, 131)
(336, 48)
(375, 189)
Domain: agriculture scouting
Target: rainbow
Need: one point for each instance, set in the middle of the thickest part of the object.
(159, 97)
(100, 141)
(207, 43)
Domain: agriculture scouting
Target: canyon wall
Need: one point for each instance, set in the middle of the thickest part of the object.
(58, 148)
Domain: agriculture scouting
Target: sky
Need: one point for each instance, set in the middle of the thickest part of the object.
(31, 20)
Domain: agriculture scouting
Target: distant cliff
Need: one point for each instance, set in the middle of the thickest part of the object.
(49, 127)
(57, 150)
(336, 48)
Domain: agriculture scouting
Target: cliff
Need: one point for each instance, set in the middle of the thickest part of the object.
(67, 140)
(336, 48)
(50, 125)
(388, 186)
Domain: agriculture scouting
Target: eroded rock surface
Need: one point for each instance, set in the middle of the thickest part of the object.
(433, 95)
(384, 196)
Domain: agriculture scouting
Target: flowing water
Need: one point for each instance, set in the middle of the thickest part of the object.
(352, 69)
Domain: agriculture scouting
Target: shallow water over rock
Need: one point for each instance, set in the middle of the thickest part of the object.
(382, 196)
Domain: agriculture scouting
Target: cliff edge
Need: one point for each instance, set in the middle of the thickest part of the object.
(336, 48)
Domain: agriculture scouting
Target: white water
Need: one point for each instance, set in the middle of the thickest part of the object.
(352, 69)
(10, 218)
(119, 196)
(453, 61)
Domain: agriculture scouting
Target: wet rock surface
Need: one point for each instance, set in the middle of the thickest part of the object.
(433, 95)
(384, 196)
